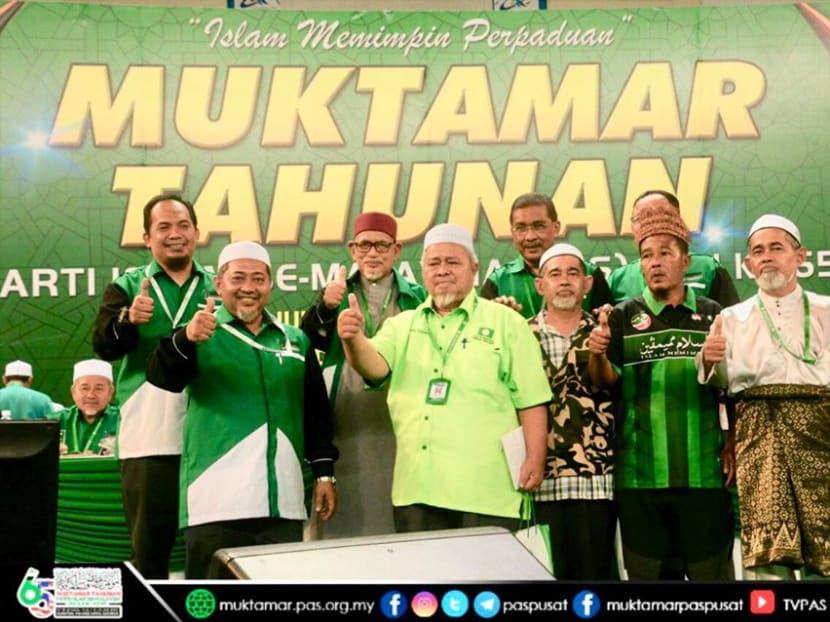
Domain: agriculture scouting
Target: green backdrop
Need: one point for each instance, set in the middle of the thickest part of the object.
(283, 126)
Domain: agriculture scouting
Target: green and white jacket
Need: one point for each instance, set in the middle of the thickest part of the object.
(256, 409)
(151, 419)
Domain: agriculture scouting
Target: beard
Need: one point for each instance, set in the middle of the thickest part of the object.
(373, 275)
(176, 263)
(772, 281)
(565, 302)
(442, 301)
(248, 316)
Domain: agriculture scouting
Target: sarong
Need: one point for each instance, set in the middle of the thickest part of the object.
(782, 448)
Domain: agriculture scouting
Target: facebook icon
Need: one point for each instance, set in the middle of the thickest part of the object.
(393, 604)
(586, 604)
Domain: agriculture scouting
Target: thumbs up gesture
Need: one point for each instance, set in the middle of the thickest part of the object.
(714, 347)
(601, 335)
(141, 309)
(201, 326)
(350, 321)
(334, 292)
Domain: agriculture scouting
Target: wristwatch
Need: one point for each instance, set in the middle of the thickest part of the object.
(328, 478)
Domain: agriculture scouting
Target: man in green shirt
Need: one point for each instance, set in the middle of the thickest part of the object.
(90, 425)
(256, 411)
(669, 483)
(534, 225)
(462, 372)
(705, 276)
(137, 309)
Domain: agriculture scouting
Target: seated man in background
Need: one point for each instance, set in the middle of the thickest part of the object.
(90, 425)
(18, 400)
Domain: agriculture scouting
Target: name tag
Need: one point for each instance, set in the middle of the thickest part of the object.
(438, 391)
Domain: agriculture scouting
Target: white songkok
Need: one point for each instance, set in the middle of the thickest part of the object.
(452, 234)
(92, 367)
(243, 250)
(774, 221)
(18, 368)
(561, 249)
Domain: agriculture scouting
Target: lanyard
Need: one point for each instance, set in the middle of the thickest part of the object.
(75, 448)
(182, 307)
(529, 296)
(278, 352)
(776, 336)
(364, 304)
(453, 341)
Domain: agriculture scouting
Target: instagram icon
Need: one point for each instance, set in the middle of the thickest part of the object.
(424, 604)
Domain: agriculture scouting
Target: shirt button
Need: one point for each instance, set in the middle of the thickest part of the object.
(426, 418)
(423, 446)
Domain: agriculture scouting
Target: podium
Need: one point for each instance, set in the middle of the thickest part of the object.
(449, 556)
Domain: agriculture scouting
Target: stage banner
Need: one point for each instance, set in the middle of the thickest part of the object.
(283, 126)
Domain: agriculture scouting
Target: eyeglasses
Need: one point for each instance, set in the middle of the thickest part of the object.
(538, 227)
(364, 246)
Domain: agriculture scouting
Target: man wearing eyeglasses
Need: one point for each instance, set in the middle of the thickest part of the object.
(534, 225)
(363, 429)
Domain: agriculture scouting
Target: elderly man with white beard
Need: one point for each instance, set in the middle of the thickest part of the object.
(576, 497)
(462, 372)
(773, 353)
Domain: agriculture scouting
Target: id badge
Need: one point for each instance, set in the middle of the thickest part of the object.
(438, 391)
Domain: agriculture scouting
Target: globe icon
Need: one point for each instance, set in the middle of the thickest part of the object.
(200, 603)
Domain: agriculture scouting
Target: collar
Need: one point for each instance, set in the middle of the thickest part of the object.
(656, 306)
(585, 321)
(467, 305)
(154, 268)
(223, 316)
(404, 286)
(383, 284)
(81, 419)
(517, 266)
(792, 299)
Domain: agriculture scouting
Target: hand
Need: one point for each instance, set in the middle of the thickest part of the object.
(600, 336)
(714, 346)
(350, 321)
(141, 310)
(325, 499)
(508, 301)
(334, 292)
(201, 326)
(530, 476)
(606, 308)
